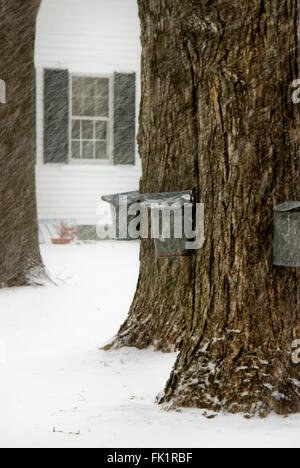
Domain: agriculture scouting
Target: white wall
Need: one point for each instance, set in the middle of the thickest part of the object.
(84, 36)
(88, 35)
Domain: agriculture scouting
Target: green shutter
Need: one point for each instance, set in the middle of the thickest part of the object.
(124, 118)
(56, 116)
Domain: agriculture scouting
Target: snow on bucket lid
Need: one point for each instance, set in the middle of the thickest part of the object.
(167, 199)
(287, 206)
(117, 198)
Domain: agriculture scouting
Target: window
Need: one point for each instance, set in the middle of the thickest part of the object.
(90, 119)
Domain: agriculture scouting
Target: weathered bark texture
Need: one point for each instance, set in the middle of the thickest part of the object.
(156, 317)
(20, 259)
(168, 147)
(217, 115)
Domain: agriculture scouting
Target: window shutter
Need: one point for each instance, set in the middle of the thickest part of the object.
(56, 116)
(124, 118)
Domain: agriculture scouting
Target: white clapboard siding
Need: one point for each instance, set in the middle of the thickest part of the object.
(75, 192)
(88, 37)
(98, 34)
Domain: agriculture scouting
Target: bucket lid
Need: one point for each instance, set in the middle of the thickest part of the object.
(167, 199)
(132, 197)
(287, 206)
(148, 199)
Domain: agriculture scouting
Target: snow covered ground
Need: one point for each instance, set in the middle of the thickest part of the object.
(58, 390)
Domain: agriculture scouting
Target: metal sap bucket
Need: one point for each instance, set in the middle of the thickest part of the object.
(172, 247)
(166, 242)
(287, 234)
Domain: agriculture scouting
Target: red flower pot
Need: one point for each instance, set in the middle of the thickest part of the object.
(61, 241)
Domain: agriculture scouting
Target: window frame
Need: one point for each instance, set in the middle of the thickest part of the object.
(109, 119)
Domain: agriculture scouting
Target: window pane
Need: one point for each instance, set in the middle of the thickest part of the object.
(77, 106)
(89, 87)
(102, 87)
(101, 130)
(87, 150)
(101, 150)
(75, 149)
(77, 86)
(88, 107)
(76, 129)
(90, 99)
(101, 107)
(87, 130)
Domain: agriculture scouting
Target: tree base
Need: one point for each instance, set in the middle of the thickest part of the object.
(33, 275)
(142, 335)
(255, 384)
(158, 314)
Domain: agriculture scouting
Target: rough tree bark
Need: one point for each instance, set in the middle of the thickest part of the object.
(168, 147)
(217, 115)
(20, 260)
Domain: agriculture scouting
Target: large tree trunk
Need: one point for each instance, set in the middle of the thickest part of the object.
(20, 259)
(217, 115)
(168, 147)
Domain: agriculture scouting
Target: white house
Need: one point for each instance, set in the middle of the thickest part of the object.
(87, 99)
